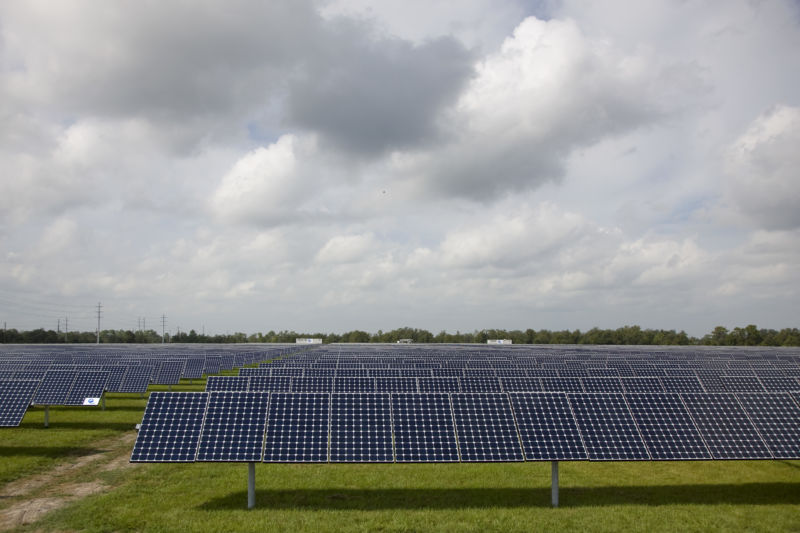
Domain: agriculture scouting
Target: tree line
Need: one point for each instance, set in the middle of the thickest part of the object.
(750, 335)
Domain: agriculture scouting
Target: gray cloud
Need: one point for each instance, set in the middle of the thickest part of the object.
(368, 95)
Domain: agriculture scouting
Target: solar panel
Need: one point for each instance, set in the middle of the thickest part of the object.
(194, 368)
(171, 426)
(297, 428)
(550, 384)
(777, 419)
(666, 427)
(270, 384)
(260, 371)
(227, 383)
(741, 384)
(15, 397)
(86, 385)
(779, 384)
(115, 375)
(311, 384)
(54, 387)
(681, 384)
(396, 384)
(423, 428)
(361, 428)
(547, 428)
(169, 373)
(353, 384)
(480, 384)
(725, 427)
(233, 429)
(439, 384)
(520, 384)
(136, 379)
(485, 427)
(607, 427)
(711, 381)
(601, 384)
(641, 384)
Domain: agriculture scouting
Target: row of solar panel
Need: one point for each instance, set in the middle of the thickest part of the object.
(255, 382)
(166, 373)
(481, 427)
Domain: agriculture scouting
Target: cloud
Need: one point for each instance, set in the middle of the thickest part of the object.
(762, 165)
(549, 91)
(346, 249)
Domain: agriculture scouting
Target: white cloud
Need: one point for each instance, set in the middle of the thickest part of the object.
(346, 249)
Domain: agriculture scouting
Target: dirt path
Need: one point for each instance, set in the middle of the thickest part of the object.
(34, 496)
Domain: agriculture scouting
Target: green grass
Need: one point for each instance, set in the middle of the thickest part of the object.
(647, 496)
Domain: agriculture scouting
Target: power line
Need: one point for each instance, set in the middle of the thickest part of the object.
(99, 307)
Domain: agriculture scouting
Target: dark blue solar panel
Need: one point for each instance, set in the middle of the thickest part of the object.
(260, 371)
(742, 384)
(170, 429)
(547, 428)
(227, 383)
(607, 384)
(136, 379)
(115, 375)
(318, 384)
(361, 428)
(681, 384)
(353, 384)
(194, 368)
(561, 384)
(780, 384)
(270, 384)
(485, 427)
(725, 427)
(520, 384)
(641, 384)
(607, 427)
(396, 384)
(439, 384)
(423, 428)
(169, 373)
(87, 385)
(480, 384)
(54, 387)
(777, 419)
(233, 429)
(297, 428)
(15, 397)
(666, 427)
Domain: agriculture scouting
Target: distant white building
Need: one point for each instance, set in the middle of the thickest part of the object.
(405, 341)
(499, 341)
(308, 341)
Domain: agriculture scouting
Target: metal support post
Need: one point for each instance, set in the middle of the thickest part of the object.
(47, 416)
(103, 401)
(554, 483)
(251, 485)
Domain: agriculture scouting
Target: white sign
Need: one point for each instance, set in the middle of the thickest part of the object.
(91, 401)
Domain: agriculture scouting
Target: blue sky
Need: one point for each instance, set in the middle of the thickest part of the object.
(327, 166)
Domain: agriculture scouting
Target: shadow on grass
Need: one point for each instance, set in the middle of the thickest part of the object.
(55, 423)
(47, 451)
(382, 499)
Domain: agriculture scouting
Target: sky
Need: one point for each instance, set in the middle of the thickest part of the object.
(344, 164)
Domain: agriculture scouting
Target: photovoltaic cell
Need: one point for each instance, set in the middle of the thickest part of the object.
(136, 379)
(666, 427)
(681, 384)
(561, 384)
(312, 384)
(354, 384)
(297, 428)
(520, 384)
(547, 428)
(361, 428)
(485, 427)
(423, 428)
(601, 384)
(234, 425)
(480, 384)
(725, 427)
(171, 426)
(607, 427)
(227, 383)
(779, 384)
(15, 397)
(741, 384)
(396, 384)
(777, 419)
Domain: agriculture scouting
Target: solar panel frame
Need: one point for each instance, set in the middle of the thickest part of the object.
(233, 427)
(171, 427)
(423, 428)
(547, 427)
(485, 427)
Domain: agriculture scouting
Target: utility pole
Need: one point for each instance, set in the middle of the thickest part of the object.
(163, 327)
(66, 330)
(59, 327)
(99, 306)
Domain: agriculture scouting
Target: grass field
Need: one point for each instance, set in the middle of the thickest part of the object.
(75, 476)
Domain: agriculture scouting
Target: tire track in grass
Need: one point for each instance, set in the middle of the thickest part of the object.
(34, 496)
